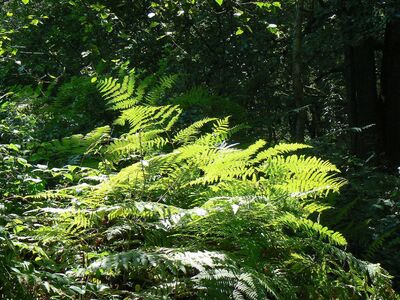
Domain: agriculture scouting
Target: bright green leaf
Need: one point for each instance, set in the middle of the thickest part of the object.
(277, 4)
(154, 24)
(22, 161)
(69, 177)
(14, 147)
(239, 31)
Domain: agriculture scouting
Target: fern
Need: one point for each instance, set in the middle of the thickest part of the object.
(159, 91)
(184, 214)
(279, 150)
(188, 134)
(71, 148)
(311, 228)
(142, 117)
(118, 93)
(139, 144)
(122, 96)
(234, 284)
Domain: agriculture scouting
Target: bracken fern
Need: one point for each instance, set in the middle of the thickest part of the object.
(183, 214)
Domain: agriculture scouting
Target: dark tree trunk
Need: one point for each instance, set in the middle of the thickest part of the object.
(361, 82)
(391, 90)
(315, 123)
(298, 86)
(362, 97)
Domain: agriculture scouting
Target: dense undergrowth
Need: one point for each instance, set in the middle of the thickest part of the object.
(154, 208)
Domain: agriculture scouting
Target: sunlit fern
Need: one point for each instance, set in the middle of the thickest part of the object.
(183, 213)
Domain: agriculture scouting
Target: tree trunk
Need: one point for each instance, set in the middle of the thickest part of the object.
(298, 88)
(391, 90)
(315, 123)
(361, 87)
(363, 98)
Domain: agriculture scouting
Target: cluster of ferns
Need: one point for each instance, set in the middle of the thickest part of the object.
(172, 211)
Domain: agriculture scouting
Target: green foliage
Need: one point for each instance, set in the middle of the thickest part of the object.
(74, 106)
(17, 124)
(71, 149)
(15, 173)
(176, 213)
(367, 212)
(199, 103)
(164, 202)
(311, 228)
(9, 287)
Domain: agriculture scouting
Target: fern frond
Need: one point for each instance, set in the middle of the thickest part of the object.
(228, 164)
(189, 133)
(71, 146)
(279, 150)
(158, 91)
(140, 144)
(312, 229)
(142, 117)
(164, 259)
(119, 95)
(301, 176)
(234, 284)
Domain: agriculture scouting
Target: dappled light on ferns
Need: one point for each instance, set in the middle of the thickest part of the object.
(180, 213)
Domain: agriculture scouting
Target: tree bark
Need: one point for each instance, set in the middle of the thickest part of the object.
(363, 98)
(361, 87)
(297, 72)
(391, 90)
